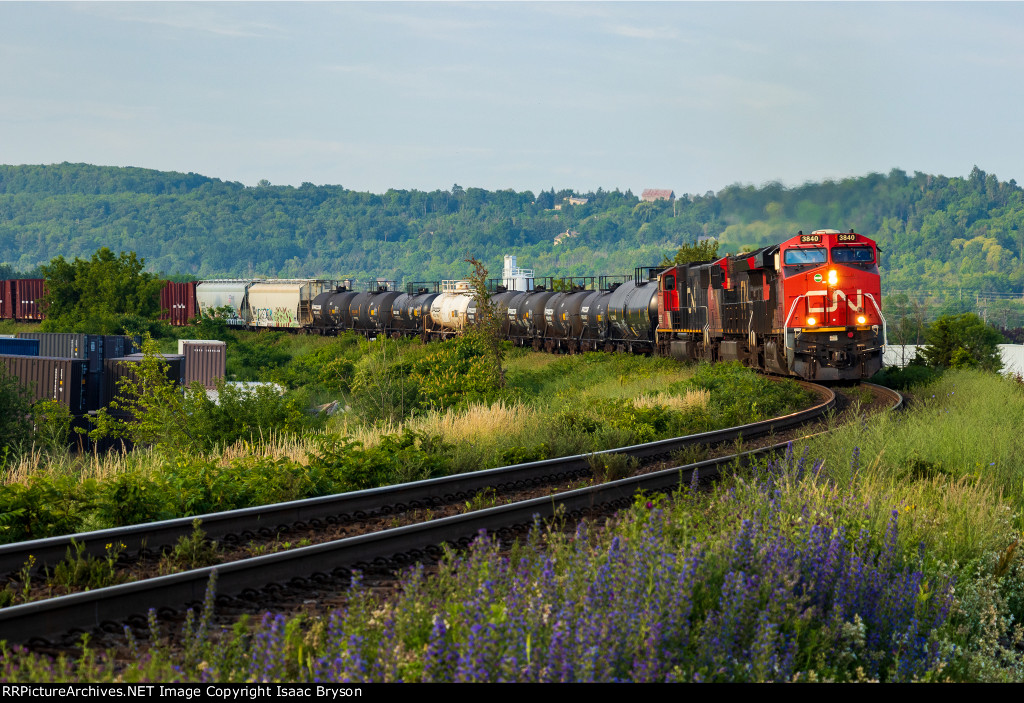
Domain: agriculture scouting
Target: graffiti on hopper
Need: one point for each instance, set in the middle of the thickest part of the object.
(274, 317)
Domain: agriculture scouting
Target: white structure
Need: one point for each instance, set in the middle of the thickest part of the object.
(514, 278)
(901, 354)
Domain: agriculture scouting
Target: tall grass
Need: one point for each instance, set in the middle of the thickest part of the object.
(953, 465)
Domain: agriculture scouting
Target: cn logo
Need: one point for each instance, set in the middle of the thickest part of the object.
(822, 295)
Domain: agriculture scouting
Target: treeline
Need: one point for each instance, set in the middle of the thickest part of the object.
(935, 232)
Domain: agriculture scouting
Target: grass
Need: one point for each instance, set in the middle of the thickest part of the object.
(929, 499)
(553, 406)
(953, 465)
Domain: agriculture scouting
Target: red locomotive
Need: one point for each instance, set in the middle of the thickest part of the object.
(809, 307)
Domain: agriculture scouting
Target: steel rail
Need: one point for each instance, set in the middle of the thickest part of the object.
(270, 519)
(105, 608)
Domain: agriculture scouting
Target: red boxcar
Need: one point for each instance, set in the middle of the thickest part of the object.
(27, 291)
(178, 302)
(7, 300)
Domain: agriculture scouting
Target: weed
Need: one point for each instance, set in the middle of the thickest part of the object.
(612, 467)
(689, 455)
(81, 570)
(26, 576)
(486, 498)
(192, 552)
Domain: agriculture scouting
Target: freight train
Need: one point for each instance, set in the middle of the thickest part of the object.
(809, 307)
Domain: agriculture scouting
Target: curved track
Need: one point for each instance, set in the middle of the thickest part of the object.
(103, 608)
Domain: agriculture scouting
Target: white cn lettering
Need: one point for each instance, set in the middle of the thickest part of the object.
(856, 303)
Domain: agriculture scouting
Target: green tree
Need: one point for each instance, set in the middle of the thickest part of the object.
(487, 325)
(149, 407)
(688, 253)
(962, 341)
(16, 417)
(107, 294)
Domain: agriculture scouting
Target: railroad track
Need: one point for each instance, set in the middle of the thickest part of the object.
(105, 608)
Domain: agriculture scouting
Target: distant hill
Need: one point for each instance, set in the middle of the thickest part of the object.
(963, 234)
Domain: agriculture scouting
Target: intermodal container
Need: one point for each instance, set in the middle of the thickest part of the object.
(19, 347)
(70, 345)
(116, 371)
(205, 360)
(116, 345)
(47, 378)
(178, 302)
(27, 291)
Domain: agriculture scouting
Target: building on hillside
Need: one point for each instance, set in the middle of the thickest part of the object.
(651, 194)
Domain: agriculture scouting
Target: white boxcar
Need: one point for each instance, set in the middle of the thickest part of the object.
(231, 293)
(284, 303)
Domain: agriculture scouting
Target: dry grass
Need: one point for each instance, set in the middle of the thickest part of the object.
(274, 446)
(84, 466)
(476, 423)
(693, 399)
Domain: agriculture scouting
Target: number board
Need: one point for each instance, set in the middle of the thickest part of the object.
(847, 237)
(810, 239)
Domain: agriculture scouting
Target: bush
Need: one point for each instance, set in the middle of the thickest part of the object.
(962, 341)
(907, 377)
(16, 416)
(243, 414)
(409, 456)
(456, 373)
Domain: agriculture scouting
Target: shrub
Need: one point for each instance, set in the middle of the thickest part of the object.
(16, 417)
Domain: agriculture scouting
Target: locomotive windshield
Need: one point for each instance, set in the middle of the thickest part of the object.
(801, 257)
(852, 255)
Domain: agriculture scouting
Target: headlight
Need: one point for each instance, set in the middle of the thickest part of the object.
(861, 319)
(811, 322)
(833, 277)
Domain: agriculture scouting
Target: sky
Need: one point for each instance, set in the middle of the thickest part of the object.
(692, 96)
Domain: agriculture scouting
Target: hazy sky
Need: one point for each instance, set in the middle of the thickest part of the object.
(690, 96)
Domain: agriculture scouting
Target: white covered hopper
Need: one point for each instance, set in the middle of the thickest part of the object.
(283, 303)
(212, 295)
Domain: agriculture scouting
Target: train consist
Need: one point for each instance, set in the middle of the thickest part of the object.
(809, 307)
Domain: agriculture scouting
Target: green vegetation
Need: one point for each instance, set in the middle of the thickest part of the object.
(887, 551)
(105, 295)
(407, 411)
(962, 341)
(688, 253)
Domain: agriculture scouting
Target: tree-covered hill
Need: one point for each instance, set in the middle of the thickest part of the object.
(935, 232)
